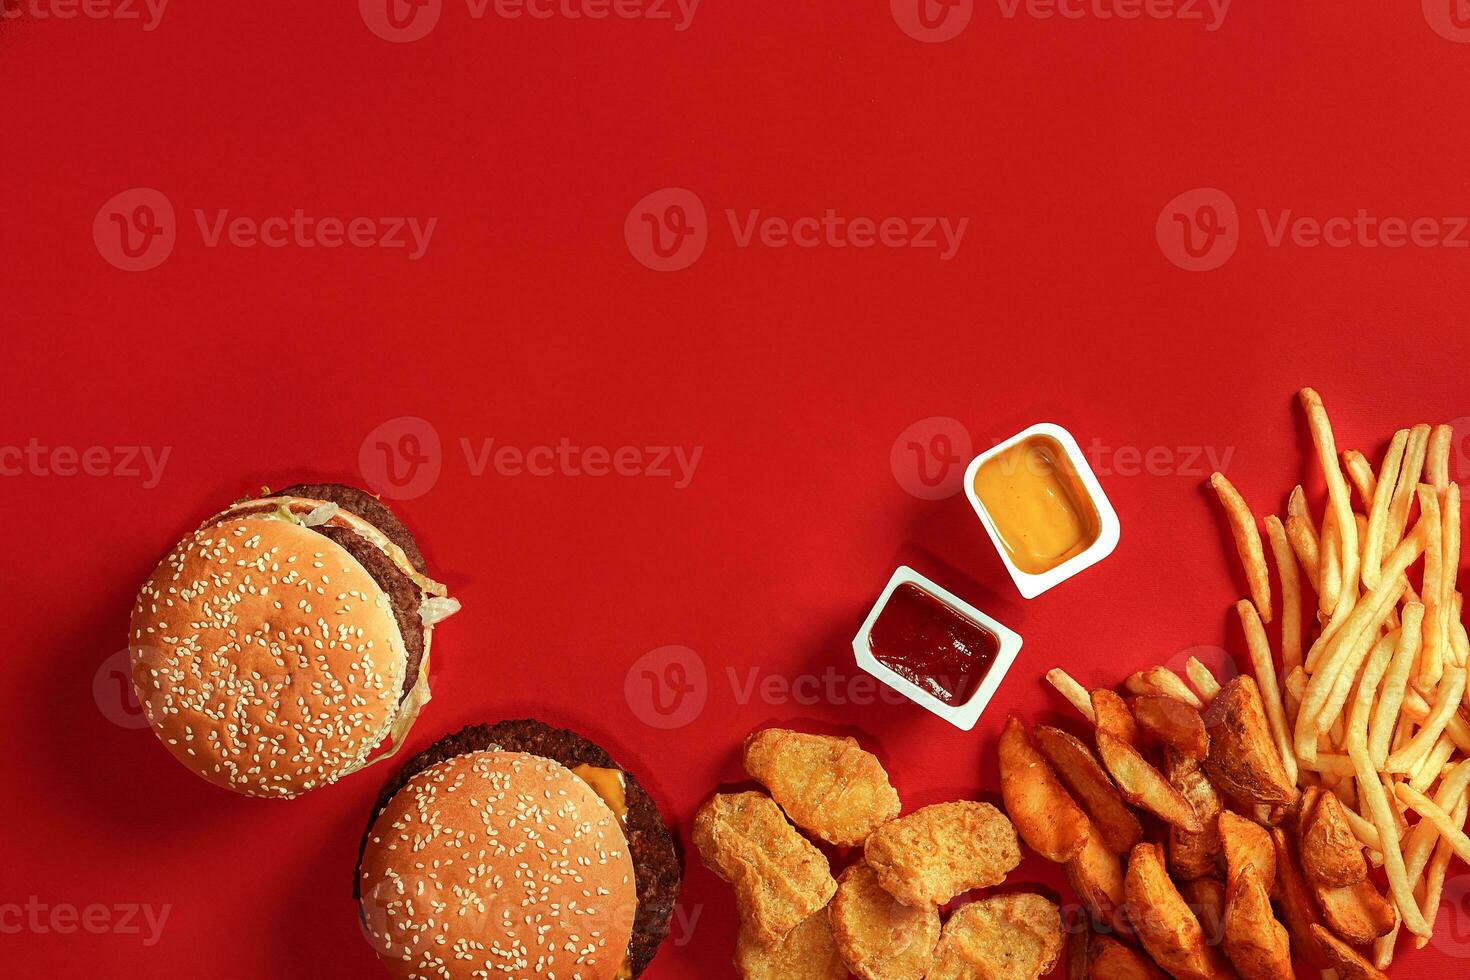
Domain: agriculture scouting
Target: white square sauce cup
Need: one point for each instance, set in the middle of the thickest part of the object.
(1032, 585)
(962, 716)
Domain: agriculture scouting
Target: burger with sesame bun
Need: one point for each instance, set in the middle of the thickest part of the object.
(516, 850)
(285, 643)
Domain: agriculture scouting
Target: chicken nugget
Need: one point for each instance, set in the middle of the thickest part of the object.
(780, 878)
(828, 786)
(808, 953)
(878, 936)
(1006, 937)
(940, 851)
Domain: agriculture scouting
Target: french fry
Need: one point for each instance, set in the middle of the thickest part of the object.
(1437, 462)
(1443, 823)
(1360, 472)
(1399, 884)
(1339, 501)
(1403, 494)
(1328, 688)
(1203, 680)
(1431, 663)
(1247, 542)
(1162, 680)
(1449, 565)
(1447, 701)
(1435, 873)
(1260, 653)
(1291, 594)
(1369, 681)
(1303, 540)
(1395, 683)
(1329, 573)
(1378, 511)
(1433, 766)
(1075, 693)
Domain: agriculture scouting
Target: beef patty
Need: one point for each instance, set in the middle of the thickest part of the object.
(655, 860)
(369, 508)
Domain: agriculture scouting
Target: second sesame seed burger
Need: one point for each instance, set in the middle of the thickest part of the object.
(516, 850)
(285, 643)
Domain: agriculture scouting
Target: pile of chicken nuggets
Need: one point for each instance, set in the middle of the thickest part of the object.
(880, 918)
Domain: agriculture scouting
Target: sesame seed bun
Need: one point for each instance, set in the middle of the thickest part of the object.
(266, 657)
(498, 863)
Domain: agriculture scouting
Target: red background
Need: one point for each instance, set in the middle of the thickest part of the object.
(795, 370)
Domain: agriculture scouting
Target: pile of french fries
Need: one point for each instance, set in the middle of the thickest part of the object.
(1349, 749)
(1370, 704)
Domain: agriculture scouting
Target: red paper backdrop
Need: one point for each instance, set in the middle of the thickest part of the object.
(796, 373)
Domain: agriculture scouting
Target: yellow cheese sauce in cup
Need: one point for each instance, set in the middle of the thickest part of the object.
(1038, 505)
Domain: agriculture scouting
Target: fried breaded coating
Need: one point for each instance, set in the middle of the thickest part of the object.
(780, 878)
(808, 953)
(1006, 937)
(828, 786)
(878, 936)
(940, 851)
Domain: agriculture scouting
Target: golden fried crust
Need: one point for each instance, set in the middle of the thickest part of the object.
(808, 953)
(934, 854)
(780, 878)
(829, 786)
(878, 936)
(1007, 937)
(1165, 924)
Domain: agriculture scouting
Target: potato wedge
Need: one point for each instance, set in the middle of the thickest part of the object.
(1079, 945)
(1332, 856)
(1357, 913)
(1174, 723)
(1244, 762)
(1295, 901)
(1046, 817)
(1255, 942)
(1114, 717)
(1194, 855)
(1096, 875)
(1143, 785)
(1348, 963)
(1079, 769)
(1164, 923)
(1247, 844)
(1206, 896)
(1108, 959)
